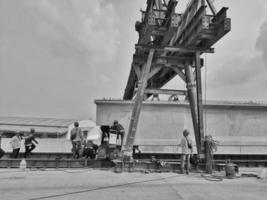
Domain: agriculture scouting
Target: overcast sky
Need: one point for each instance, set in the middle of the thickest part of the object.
(57, 56)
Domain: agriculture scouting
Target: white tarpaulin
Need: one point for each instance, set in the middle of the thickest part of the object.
(95, 134)
(85, 125)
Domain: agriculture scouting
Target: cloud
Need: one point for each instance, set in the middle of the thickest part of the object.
(55, 56)
(241, 74)
(90, 25)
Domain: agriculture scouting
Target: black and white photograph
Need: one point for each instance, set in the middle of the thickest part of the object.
(133, 99)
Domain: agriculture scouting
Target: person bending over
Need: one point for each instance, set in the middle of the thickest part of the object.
(29, 143)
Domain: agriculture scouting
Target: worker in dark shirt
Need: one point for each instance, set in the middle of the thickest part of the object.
(119, 130)
(77, 139)
(90, 149)
(29, 143)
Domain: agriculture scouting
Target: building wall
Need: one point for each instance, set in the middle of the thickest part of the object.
(240, 128)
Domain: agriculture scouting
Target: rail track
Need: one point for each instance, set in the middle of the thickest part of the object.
(141, 161)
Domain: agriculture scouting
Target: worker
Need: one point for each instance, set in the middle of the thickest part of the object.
(16, 144)
(155, 96)
(77, 140)
(29, 143)
(118, 128)
(90, 149)
(187, 150)
(2, 152)
(105, 137)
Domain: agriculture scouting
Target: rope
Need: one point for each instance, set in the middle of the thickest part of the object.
(205, 95)
(212, 177)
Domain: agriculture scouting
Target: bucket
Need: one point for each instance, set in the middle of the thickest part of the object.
(229, 169)
(23, 164)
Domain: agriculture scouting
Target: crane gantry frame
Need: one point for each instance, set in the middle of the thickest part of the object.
(171, 44)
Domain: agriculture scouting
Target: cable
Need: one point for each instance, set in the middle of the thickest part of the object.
(102, 188)
(205, 97)
(174, 190)
(211, 177)
(176, 130)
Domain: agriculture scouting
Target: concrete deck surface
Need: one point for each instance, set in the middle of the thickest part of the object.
(87, 184)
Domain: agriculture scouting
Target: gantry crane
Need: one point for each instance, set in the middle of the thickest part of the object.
(171, 44)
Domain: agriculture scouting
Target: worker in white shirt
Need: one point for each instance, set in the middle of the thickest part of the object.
(16, 144)
(187, 150)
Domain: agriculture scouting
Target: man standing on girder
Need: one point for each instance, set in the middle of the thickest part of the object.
(118, 128)
(77, 140)
(16, 144)
(187, 150)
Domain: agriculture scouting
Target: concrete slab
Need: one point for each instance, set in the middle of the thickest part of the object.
(82, 184)
(240, 128)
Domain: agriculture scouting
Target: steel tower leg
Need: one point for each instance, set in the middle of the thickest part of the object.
(199, 104)
(196, 105)
(190, 84)
(142, 83)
